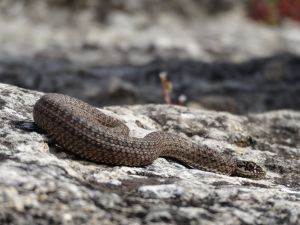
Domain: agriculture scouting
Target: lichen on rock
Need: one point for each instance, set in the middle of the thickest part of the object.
(42, 184)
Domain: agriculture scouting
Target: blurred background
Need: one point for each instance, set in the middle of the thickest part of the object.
(236, 56)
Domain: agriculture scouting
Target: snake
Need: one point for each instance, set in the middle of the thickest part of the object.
(85, 131)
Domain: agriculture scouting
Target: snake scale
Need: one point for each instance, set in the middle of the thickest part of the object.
(85, 131)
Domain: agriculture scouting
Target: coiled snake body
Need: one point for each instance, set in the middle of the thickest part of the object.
(82, 129)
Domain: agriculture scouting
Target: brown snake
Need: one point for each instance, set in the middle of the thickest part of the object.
(82, 129)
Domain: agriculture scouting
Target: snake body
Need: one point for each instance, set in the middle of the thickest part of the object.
(85, 131)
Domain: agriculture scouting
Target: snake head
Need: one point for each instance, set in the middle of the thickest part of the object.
(249, 169)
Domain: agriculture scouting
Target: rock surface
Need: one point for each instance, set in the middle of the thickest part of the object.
(253, 86)
(41, 184)
(136, 32)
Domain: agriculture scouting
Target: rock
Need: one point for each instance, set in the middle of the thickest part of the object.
(41, 184)
(136, 32)
(253, 86)
(119, 89)
(219, 103)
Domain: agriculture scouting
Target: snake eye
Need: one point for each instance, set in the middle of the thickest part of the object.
(250, 166)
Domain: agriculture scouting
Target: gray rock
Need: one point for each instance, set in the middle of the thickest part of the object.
(41, 184)
(136, 32)
(253, 86)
